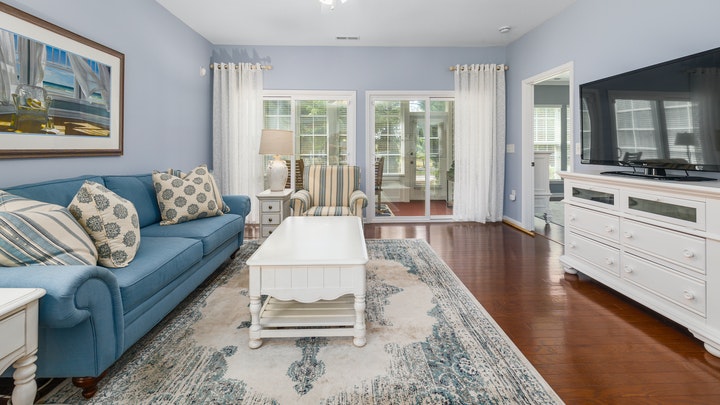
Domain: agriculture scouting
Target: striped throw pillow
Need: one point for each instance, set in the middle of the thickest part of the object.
(38, 233)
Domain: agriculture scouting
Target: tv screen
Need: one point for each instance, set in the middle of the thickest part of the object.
(662, 117)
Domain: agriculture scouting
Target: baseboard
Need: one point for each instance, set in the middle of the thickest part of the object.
(513, 223)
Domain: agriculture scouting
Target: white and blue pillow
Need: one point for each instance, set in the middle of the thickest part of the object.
(38, 233)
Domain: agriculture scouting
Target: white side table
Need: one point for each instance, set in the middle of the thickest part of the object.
(19, 343)
(274, 208)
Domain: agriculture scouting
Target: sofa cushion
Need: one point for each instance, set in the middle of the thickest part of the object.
(34, 232)
(183, 199)
(139, 190)
(212, 232)
(110, 220)
(59, 192)
(157, 263)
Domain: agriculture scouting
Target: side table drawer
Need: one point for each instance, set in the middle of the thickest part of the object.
(267, 230)
(270, 219)
(11, 339)
(271, 206)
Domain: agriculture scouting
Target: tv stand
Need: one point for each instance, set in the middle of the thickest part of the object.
(658, 174)
(656, 243)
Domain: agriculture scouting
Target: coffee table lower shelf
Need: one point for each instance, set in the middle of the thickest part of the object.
(296, 319)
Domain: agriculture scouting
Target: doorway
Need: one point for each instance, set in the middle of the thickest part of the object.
(547, 146)
(411, 149)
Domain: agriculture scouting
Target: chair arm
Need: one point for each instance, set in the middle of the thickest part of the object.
(300, 202)
(239, 204)
(73, 294)
(358, 201)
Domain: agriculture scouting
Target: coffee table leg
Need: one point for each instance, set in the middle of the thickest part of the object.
(359, 339)
(255, 327)
(25, 385)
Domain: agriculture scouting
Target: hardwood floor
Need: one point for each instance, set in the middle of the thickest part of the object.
(592, 345)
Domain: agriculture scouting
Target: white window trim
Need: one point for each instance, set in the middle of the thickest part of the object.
(348, 96)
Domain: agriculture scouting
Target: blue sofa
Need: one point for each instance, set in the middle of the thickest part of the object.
(91, 314)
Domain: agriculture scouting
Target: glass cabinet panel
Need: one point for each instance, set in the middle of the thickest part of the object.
(593, 195)
(664, 209)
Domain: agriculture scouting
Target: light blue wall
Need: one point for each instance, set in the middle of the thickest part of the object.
(358, 69)
(602, 38)
(167, 103)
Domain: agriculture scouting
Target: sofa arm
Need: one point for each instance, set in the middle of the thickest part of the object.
(73, 294)
(239, 204)
(358, 201)
(300, 201)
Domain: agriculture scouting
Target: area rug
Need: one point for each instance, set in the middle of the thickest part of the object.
(429, 341)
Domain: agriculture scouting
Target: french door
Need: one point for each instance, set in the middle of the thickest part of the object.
(410, 135)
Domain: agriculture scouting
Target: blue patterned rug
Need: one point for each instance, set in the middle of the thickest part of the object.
(428, 342)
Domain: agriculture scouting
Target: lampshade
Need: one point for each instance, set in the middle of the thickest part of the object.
(685, 138)
(276, 142)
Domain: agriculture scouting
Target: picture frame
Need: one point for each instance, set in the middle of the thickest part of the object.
(61, 94)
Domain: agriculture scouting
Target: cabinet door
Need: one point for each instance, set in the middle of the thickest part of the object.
(679, 211)
(602, 197)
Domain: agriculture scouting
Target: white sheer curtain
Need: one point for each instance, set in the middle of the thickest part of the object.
(8, 75)
(237, 124)
(479, 142)
(89, 81)
(32, 61)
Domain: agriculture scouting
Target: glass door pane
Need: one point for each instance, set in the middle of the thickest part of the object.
(414, 143)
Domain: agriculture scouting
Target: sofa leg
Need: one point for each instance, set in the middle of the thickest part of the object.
(88, 384)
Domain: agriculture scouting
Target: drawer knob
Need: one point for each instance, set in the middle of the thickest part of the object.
(609, 229)
(270, 207)
(628, 235)
(629, 269)
(688, 295)
(572, 217)
(609, 261)
(688, 253)
(572, 245)
(269, 219)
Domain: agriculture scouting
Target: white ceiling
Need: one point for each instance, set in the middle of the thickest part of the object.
(446, 23)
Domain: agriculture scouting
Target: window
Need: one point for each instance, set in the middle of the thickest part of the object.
(389, 141)
(322, 122)
(548, 131)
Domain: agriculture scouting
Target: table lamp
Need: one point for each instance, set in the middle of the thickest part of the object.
(276, 142)
(687, 139)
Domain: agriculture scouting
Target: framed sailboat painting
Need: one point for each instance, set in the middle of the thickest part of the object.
(61, 94)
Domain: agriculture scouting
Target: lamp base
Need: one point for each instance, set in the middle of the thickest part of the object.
(277, 174)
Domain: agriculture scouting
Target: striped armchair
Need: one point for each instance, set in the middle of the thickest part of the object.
(329, 190)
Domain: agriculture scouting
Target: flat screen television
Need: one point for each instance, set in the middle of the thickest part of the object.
(661, 122)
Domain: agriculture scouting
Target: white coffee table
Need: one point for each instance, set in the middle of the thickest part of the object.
(313, 271)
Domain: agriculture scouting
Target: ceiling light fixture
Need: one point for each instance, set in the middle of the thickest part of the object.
(330, 3)
(504, 29)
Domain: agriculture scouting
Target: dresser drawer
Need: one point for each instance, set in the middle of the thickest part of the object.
(678, 211)
(599, 224)
(599, 255)
(270, 219)
(683, 249)
(271, 206)
(11, 339)
(598, 196)
(672, 286)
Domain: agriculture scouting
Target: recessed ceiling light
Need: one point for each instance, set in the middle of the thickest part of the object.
(504, 29)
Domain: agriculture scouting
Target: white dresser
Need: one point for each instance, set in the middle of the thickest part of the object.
(274, 208)
(657, 242)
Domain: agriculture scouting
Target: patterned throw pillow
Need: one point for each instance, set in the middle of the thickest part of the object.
(203, 172)
(110, 220)
(38, 233)
(183, 199)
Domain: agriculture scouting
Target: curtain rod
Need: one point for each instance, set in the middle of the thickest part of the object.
(225, 65)
(453, 68)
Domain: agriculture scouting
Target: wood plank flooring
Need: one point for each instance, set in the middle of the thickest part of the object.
(592, 345)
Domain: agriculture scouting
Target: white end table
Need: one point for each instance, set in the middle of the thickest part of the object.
(19, 343)
(274, 208)
(313, 271)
